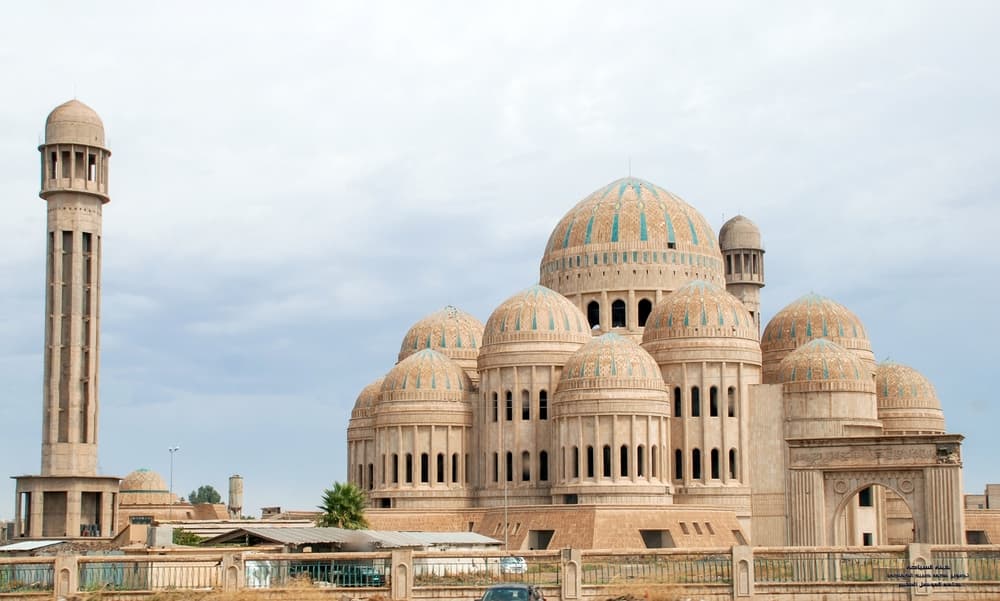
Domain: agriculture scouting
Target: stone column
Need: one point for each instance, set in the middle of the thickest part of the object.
(571, 561)
(402, 575)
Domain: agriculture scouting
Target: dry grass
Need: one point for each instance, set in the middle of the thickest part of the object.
(300, 589)
(644, 592)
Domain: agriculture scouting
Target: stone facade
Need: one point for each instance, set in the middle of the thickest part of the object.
(631, 391)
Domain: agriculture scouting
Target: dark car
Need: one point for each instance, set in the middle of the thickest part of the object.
(512, 592)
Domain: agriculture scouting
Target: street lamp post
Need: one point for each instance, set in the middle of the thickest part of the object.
(172, 451)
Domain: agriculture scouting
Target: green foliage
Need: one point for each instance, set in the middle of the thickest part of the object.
(343, 507)
(204, 494)
(186, 539)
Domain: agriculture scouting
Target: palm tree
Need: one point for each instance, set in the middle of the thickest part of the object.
(343, 507)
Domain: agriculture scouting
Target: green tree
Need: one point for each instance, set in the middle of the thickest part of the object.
(204, 494)
(185, 538)
(343, 507)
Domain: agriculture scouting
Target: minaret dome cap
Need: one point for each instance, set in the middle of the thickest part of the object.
(74, 122)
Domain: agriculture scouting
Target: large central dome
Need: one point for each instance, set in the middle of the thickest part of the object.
(627, 242)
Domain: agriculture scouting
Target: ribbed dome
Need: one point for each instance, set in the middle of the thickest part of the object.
(536, 313)
(426, 371)
(738, 233)
(365, 403)
(451, 331)
(611, 361)
(699, 309)
(907, 402)
(631, 222)
(808, 318)
(822, 365)
(143, 481)
(74, 122)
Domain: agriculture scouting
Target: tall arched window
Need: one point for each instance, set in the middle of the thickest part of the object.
(618, 314)
(695, 401)
(654, 464)
(395, 468)
(678, 464)
(576, 462)
(731, 393)
(496, 467)
(496, 407)
(440, 467)
(623, 461)
(715, 464)
(425, 468)
(454, 467)
(409, 468)
(696, 464)
(590, 461)
(593, 313)
(640, 461)
(645, 308)
(385, 468)
(677, 401)
(509, 410)
(371, 476)
(510, 467)
(732, 464)
(606, 461)
(543, 466)
(543, 405)
(525, 405)
(713, 401)
(525, 466)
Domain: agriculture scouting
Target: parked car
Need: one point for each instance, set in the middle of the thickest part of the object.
(513, 565)
(352, 574)
(513, 592)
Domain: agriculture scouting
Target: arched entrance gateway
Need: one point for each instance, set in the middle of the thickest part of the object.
(828, 477)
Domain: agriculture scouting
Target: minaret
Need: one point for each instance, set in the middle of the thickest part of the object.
(69, 498)
(743, 253)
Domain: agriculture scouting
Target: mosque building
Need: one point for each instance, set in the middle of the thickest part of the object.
(630, 400)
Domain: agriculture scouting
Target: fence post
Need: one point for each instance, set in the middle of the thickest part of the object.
(233, 573)
(918, 554)
(742, 571)
(571, 566)
(65, 576)
(402, 575)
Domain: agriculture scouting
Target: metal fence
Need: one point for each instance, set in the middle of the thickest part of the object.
(437, 570)
(26, 577)
(828, 566)
(687, 568)
(148, 575)
(300, 569)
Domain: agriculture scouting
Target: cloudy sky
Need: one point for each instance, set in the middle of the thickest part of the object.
(293, 187)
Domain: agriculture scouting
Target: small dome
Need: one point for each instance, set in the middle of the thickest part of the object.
(74, 122)
(426, 371)
(907, 402)
(144, 487)
(611, 361)
(824, 365)
(631, 221)
(811, 317)
(699, 309)
(453, 332)
(366, 400)
(536, 314)
(739, 233)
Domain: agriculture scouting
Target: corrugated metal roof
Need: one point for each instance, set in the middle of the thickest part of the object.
(392, 538)
(30, 545)
(302, 536)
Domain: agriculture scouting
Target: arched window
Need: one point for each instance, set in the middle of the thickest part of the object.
(510, 467)
(454, 467)
(677, 401)
(618, 314)
(645, 308)
(395, 468)
(640, 461)
(496, 467)
(713, 401)
(590, 461)
(543, 405)
(425, 468)
(695, 401)
(731, 393)
(696, 464)
(606, 461)
(576, 462)
(593, 313)
(678, 465)
(543, 466)
(371, 476)
(496, 407)
(385, 468)
(623, 460)
(440, 467)
(715, 464)
(732, 464)
(510, 406)
(654, 464)
(525, 466)
(409, 468)
(525, 405)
